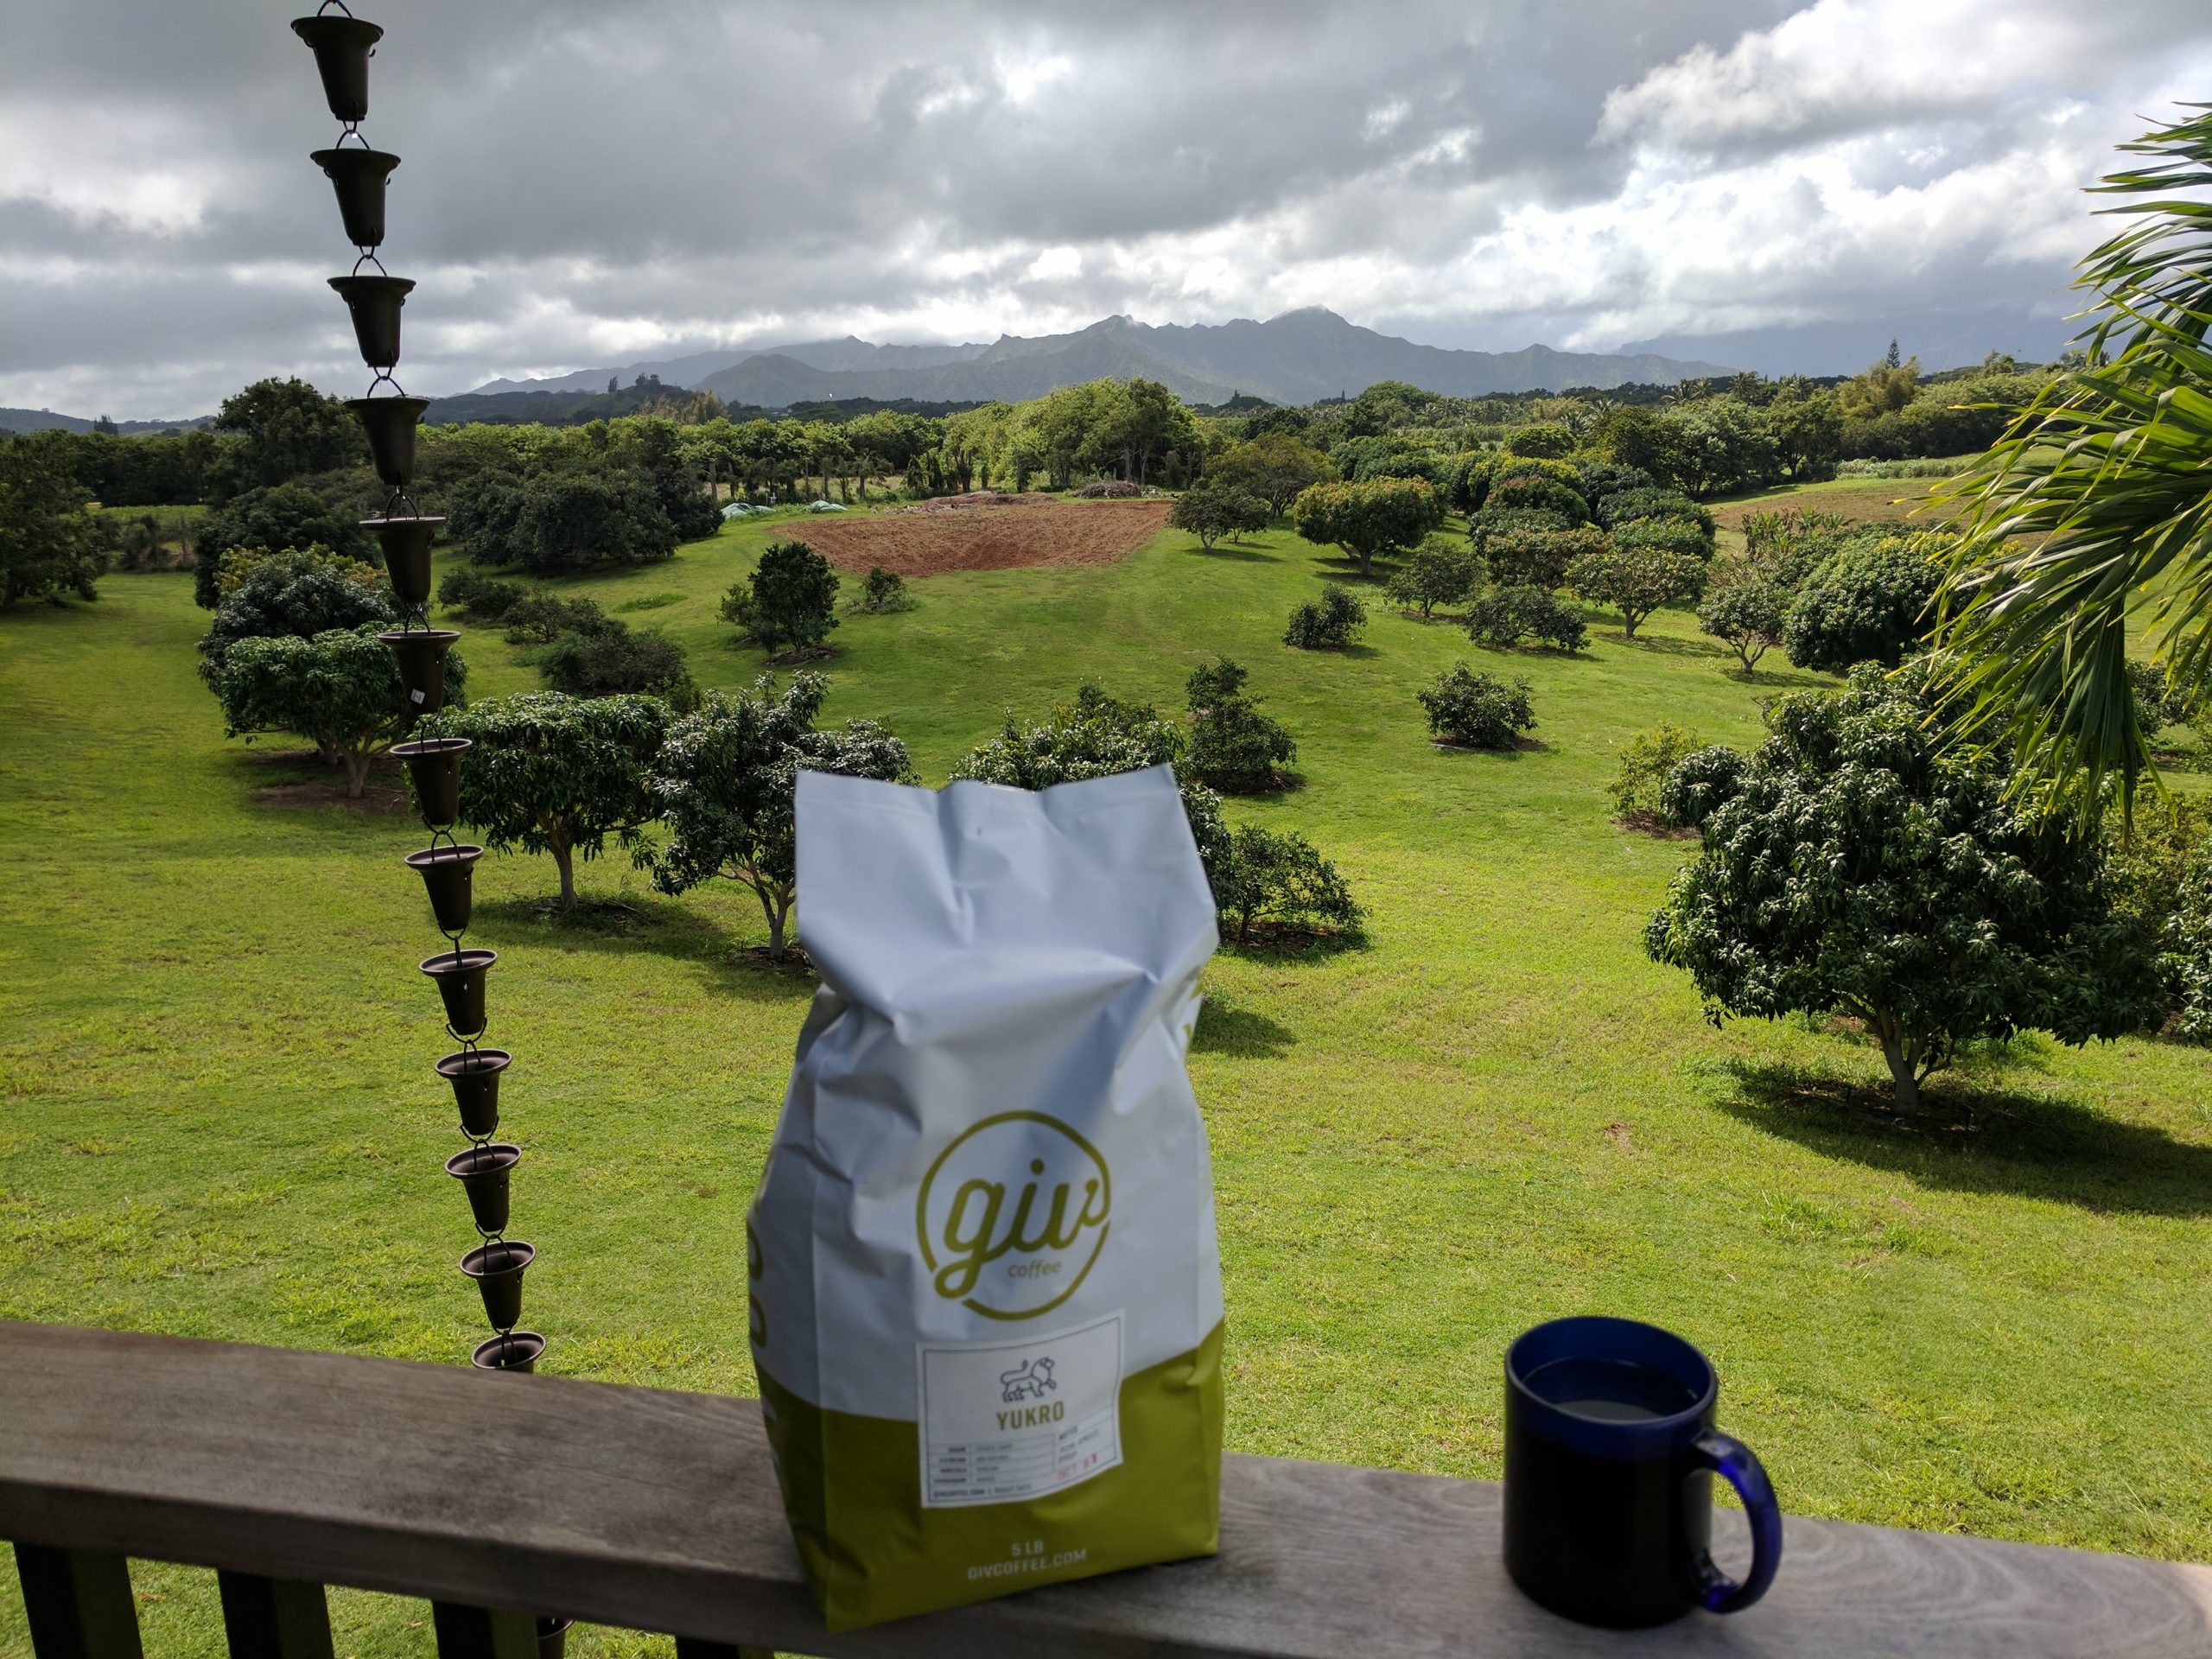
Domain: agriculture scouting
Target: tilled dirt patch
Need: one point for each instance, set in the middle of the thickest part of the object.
(1026, 530)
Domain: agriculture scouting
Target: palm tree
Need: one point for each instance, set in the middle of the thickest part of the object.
(2094, 510)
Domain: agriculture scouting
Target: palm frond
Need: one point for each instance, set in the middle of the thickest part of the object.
(2094, 512)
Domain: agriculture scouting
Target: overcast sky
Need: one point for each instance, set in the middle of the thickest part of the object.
(1754, 181)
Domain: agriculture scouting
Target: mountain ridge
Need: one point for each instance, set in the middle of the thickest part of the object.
(1295, 358)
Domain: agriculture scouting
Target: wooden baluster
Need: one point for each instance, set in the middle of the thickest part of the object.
(78, 1603)
(483, 1632)
(275, 1618)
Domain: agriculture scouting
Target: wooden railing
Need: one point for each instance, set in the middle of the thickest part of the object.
(499, 1497)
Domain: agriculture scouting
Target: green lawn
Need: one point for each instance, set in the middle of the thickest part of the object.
(219, 1117)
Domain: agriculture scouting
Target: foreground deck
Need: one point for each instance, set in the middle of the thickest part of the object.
(657, 1510)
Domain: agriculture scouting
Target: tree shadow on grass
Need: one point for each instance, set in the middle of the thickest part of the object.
(1800, 679)
(1224, 1028)
(1665, 645)
(1243, 551)
(1274, 942)
(647, 922)
(1969, 1139)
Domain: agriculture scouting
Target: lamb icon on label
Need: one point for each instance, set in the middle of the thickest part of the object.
(1028, 1382)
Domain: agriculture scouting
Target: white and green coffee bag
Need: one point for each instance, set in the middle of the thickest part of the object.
(986, 1295)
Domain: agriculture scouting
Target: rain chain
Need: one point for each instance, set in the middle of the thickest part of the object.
(343, 44)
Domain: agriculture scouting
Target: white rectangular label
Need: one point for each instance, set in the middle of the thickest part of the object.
(1003, 1421)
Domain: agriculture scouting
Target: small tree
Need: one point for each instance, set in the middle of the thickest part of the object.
(1635, 580)
(279, 517)
(1859, 867)
(297, 594)
(553, 774)
(1210, 508)
(1233, 746)
(1279, 880)
(727, 781)
(1520, 554)
(340, 690)
(1370, 520)
(50, 544)
(1502, 616)
(1330, 623)
(612, 661)
(1871, 600)
(790, 602)
(1647, 761)
(539, 618)
(884, 591)
(485, 598)
(1095, 736)
(1748, 616)
(1438, 574)
(1275, 465)
(1476, 710)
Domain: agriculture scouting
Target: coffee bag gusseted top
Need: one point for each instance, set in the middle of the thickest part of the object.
(985, 1291)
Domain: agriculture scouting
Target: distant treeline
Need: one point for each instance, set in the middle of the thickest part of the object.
(1707, 437)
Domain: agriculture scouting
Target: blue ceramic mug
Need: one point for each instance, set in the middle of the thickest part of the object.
(1609, 1455)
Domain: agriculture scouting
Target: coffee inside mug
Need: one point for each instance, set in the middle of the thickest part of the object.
(1610, 1390)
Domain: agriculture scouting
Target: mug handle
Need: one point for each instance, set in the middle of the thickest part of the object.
(1735, 1463)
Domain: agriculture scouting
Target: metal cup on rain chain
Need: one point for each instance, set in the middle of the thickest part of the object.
(343, 46)
(475, 1074)
(406, 543)
(375, 302)
(482, 1172)
(497, 1267)
(433, 767)
(422, 654)
(358, 177)
(388, 424)
(515, 1350)
(459, 976)
(445, 872)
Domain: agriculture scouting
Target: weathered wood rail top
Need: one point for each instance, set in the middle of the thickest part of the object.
(657, 1510)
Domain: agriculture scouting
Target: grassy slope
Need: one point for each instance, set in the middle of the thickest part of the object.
(219, 1119)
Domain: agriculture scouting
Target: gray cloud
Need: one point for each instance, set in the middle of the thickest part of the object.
(586, 184)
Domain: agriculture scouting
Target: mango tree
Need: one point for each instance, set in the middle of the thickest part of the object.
(559, 774)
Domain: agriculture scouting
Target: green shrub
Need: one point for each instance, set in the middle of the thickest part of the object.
(1859, 865)
(1524, 555)
(1438, 574)
(1646, 761)
(1233, 746)
(1703, 781)
(1647, 501)
(1094, 736)
(883, 591)
(1477, 711)
(487, 598)
(790, 602)
(1330, 623)
(1530, 492)
(1868, 602)
(1682, 536)
(1504, 616)
(615, 662)
(1548, 440)
(1369, 520)
(278, 517)
(539, 618)
(1277, 881)
(2159, 701)
(299, 593)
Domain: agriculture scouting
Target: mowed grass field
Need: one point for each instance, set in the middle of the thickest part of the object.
(219, 1118)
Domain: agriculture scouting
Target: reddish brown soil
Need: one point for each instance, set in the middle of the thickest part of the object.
(986, 535)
